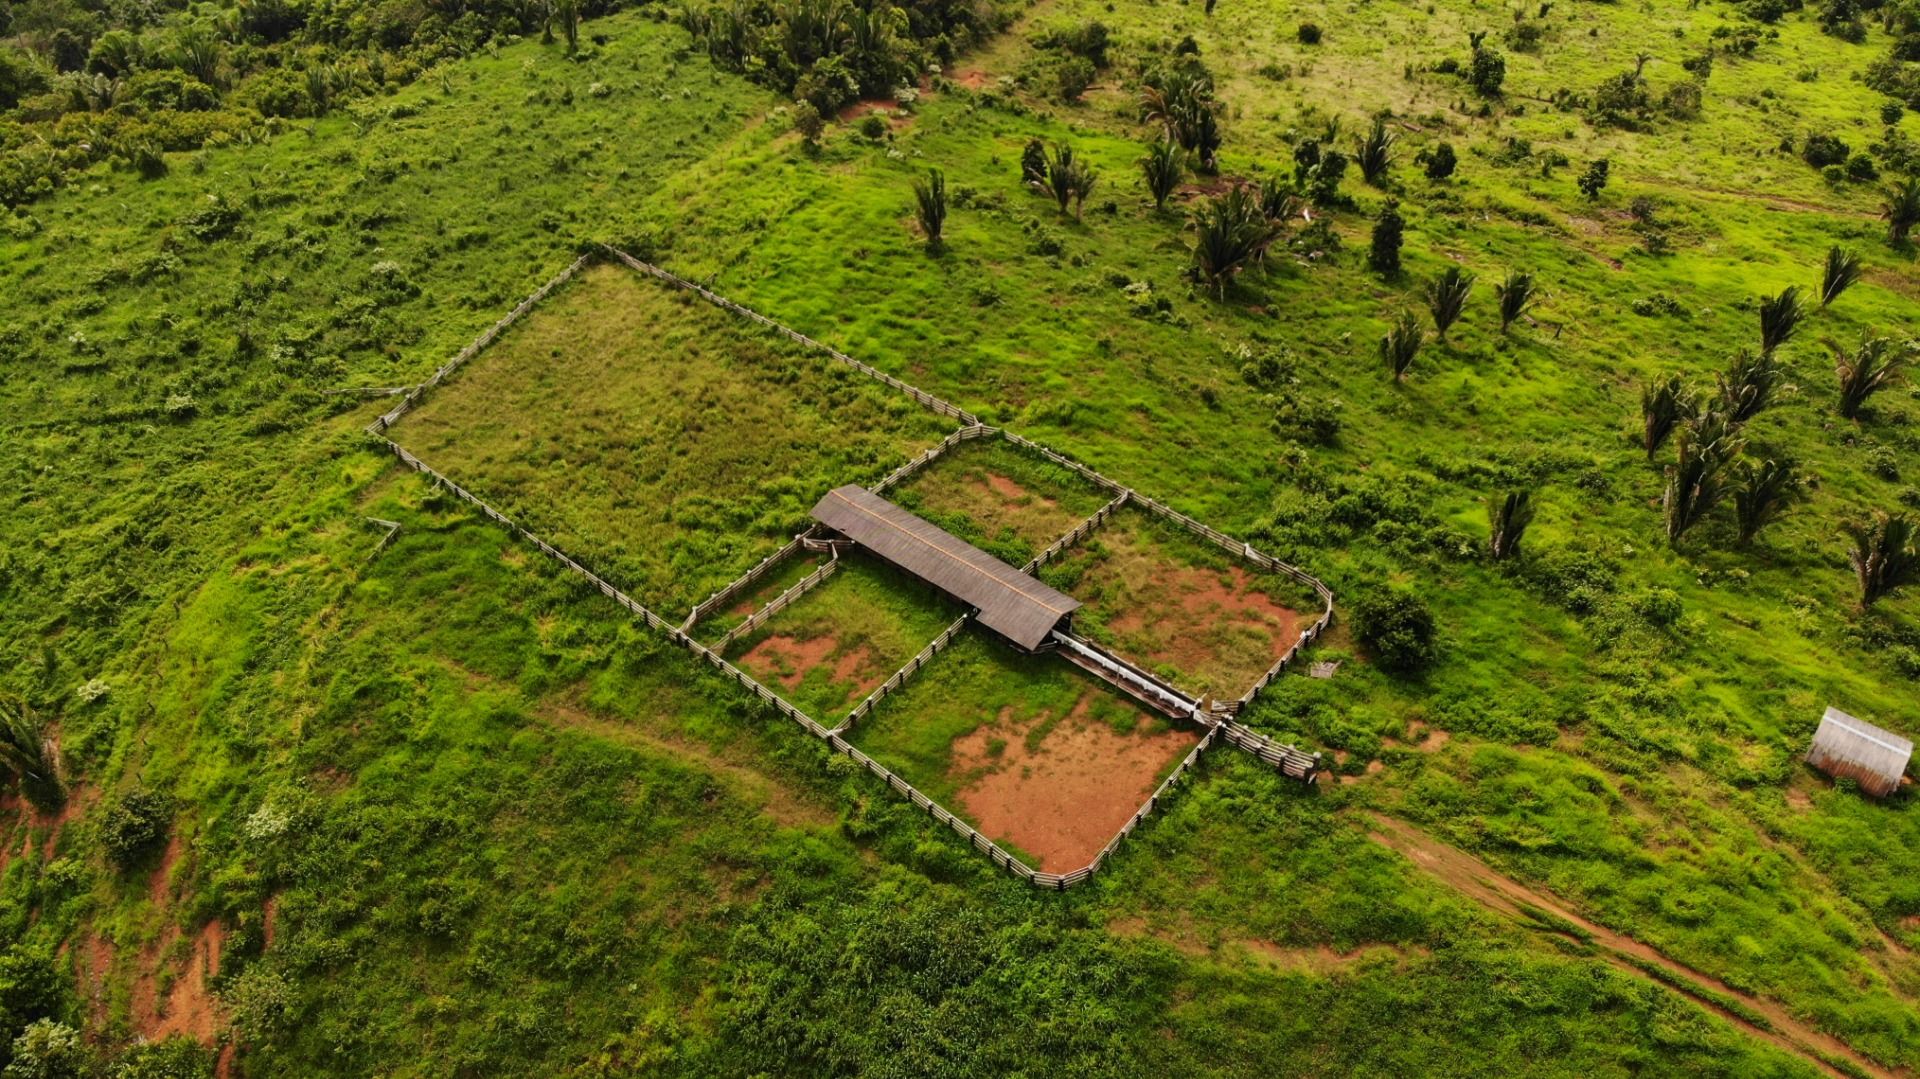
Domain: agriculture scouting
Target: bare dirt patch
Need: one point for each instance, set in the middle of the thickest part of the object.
(1216, 628)
(189, 1006)
(972, 80)
(158, 882)
(1059, 791)
(1475, 879)
(787, 659)
(1320, 960)
(982, 493)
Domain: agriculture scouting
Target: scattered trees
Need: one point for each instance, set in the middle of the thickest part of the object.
(1842, 269)
(1164, 166)
(1384, 253)
(1870, 368)
(1664, 404)
(1761, 491)
(1780, 317)
(930, 206)
(1232, 232)
(1487, 71)
(1439, 160)
(1179, 97)
(1375, 154)
(1515, 294)
(1447, 298)
(1883, 555)
(1507, 519)
(1401, 344)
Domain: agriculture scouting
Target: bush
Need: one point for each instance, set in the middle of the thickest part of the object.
(1823, 150)
(873, 127)
(1309, 34)
(49, 1050)
(32, 987)
(1487, 73)
(1660, 607)
(133, 825)
(1397, 628)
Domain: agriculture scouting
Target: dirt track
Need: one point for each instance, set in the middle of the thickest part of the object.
(1474, 878)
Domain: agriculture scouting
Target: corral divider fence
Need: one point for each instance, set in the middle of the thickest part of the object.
(778, 603)
(1260, 745)
(907, 670)
(1080, 531)
(379, 426)
(930, 455)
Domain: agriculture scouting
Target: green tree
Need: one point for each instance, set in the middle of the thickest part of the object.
(1447, 298)
(1396, 628)
(1515, 294)
(1487, 72)
(1507, 519)
(1748, 384)
(1594, 180)
(930, 206)
(1901, 209)
(1883, 556)
(26, 756)
(1231, 233)
(1696, 481)
(1842, 269)
(1388, 230)
(1664, 403)
(1375, 155)
(1401, 343)
(1069, 180)
(1780, 317)
(1761, 492)
(1440, 161)
(1164, 167)
(1875, 365)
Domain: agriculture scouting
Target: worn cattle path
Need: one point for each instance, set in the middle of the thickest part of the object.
(1477, 880)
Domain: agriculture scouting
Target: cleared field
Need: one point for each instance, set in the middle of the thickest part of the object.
(1175, 604)
(846, 636)
(655, 437)
(999, 499)
(1038, 756)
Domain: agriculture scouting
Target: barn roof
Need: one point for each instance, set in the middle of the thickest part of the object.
(1845, 746)
(1011, 603)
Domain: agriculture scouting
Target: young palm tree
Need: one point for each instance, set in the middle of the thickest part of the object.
(1780, 317)
(1447, 298)
(1514, 294)
(1841, 271)
(1872, 367)
(1663, 405)
(1696, 482)
(1901, 209)
(1748, 384)
(1507, 521)
(1165, 166)
(1401, 343)
(1883, 556)
(1068, 179)
(1277, 200)
(1375, 154)
(930, 205)
(1761, 491)
(1231, 234)
(25, 756)
(1033, 164)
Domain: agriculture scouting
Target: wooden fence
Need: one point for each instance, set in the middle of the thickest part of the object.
(932, 454)
(778, 603)
(925, 398)
(746, 580)
(1290, 760)
(379, 426)
(908, 670)
(1080, 532)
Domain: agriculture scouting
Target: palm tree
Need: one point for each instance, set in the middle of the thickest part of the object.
(1841, 271)
(1067, 179)
(1901, 209)
(1663, 404)
(1033, 164)
(1883, 556)
(1376, 153)
(930, 205)
(1507, 521)
(1165, 166)
(1277, 200)
(1780, 317)
(1695, 481)
(1231, 233)
(1514, 294)
(1760, 492)
(1747, 385)
(25, 755)
(1447, 298)
(1401, 343)
(1872, 367)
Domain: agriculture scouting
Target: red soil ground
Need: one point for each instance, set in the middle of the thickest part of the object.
(1061, 800)
(1193, 601)
(787, 659)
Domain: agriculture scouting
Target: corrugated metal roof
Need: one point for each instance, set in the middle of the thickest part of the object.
(1011, 603)
(1845, 746)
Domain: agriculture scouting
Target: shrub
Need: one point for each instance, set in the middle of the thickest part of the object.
(1308, 34)
(874, 127)
(1072, 76)
(32, 987)
(47, 1049)
(1659, 607)
(1440, 161)
(1384, 253)
(133, 825)
(1594, 180)
(1487, 72)
(1231, 233)
(1823, 150)
(930, 206)
(1447, 298)
(808, 122)
(1375, 152)
(1396, 628)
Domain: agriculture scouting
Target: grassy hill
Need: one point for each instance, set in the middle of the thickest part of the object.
(442, 811)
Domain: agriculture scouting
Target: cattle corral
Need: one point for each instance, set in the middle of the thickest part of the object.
(589, 449)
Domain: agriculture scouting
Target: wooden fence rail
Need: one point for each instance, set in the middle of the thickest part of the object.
(746, 580)
(930, 455)
(1290, 760)
(778, 603)
(1080, 532)
(908, 670)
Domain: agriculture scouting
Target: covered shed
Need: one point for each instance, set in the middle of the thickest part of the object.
(1011, 603)
(1860, 751)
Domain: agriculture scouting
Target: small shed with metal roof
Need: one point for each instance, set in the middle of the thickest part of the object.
(1012, 603)
(1874, 758)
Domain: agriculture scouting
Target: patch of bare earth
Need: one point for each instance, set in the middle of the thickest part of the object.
(996, 503)
(1199, 621)
(1061, 797)
(788, 659)
(1502, 894)
(188, 1005)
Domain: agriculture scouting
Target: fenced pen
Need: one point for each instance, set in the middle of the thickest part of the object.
(1285, 758)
